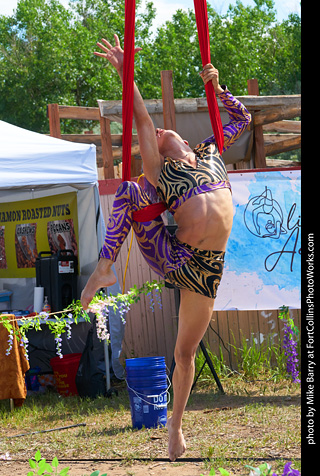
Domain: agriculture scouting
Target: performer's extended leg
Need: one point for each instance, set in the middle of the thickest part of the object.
(161, 251)
(194, 316)
(128, 198)
(102, 277)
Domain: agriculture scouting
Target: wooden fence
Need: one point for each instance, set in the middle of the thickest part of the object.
(274, 131)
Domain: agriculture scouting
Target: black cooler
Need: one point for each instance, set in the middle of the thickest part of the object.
(57, 274)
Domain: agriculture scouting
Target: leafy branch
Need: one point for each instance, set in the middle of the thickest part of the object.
(60, 322)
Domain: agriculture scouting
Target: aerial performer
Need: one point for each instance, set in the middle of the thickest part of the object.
(195, 187)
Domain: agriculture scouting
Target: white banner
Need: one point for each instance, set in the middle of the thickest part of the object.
(263, 257)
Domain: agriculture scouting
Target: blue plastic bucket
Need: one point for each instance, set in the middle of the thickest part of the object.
(147, 383)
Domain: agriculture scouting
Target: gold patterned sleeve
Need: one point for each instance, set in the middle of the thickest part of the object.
(239, 117)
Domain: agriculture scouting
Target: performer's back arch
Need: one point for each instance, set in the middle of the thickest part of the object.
(151, 211)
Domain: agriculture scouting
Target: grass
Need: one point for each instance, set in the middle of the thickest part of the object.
(251, 361)
(258, 417)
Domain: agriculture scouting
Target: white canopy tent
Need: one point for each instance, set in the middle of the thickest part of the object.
(33, 166)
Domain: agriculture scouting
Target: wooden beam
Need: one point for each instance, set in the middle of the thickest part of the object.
(256, 103)
(185, 105)
(282, 163)
(96, 139)
(54, 120)
(106, 145)
(136, 165)
(116, 139)
(283, 126)
(83, 138)
(276, 114)
(283, 146)
(169, 117)
(258, 146)
(79, 112)
(273, 138)
(117, 153)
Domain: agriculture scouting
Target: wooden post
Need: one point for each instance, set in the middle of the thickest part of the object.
(54, 120)
(106, 146)
(258, 147)
(135, 166)
(169, 116)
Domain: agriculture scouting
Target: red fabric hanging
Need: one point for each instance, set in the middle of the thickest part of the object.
(200, 8)
(152, 211)
(149, 212)
(127, 91)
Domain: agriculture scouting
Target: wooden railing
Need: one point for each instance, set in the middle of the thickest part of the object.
(273, 130)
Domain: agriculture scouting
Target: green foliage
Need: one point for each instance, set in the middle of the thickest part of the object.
(285, 316)
(39, 466)
(218, 362)
(252, 360)
(263, 470)
(222, 471)
(46, 55)
(58, 324)
(175, 48)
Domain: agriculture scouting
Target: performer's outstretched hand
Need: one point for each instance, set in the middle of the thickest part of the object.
(114, 54)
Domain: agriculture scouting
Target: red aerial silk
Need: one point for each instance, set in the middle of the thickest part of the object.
(127, 91)
(200, 8)
(151, 211)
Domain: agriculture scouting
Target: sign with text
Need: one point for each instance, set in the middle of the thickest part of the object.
(263, 257)
(31, 226)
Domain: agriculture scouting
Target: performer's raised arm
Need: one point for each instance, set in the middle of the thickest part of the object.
(146, 133)
(239, 116)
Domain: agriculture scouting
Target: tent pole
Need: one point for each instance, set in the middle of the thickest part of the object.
(106, 359)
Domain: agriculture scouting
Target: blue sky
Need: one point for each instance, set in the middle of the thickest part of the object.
(166, 8)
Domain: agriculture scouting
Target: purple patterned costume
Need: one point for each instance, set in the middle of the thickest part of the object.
(179, 263)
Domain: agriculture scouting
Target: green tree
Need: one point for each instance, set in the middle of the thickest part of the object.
(46, 56)
(33, 61)
(245, 43)
(175, 47)
(285, 74)
(241, 43)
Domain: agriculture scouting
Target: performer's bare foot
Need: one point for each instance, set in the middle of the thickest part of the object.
(177, 445)
(102, 277)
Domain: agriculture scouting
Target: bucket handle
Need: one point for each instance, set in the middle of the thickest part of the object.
(150, 396)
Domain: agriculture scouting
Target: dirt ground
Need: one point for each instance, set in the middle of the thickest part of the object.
(9, 468)
(226, 423)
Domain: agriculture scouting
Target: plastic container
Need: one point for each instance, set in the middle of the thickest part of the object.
(64, 371)
(46, 305)
(147, 384)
